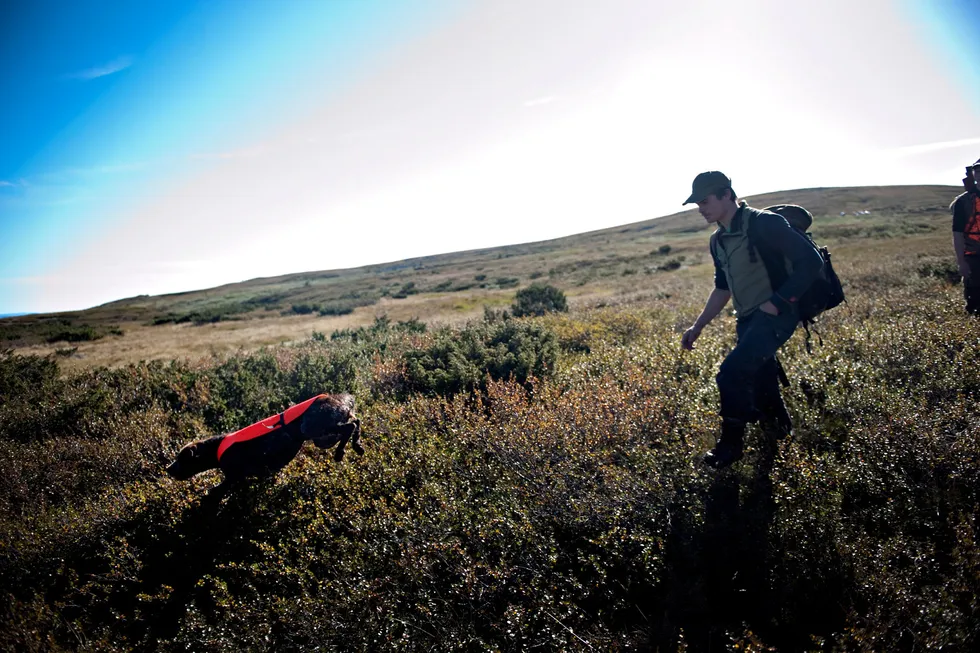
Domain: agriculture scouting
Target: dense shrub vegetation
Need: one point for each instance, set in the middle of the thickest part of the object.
(456, 361)
(528, 484)
(538, 299)
(55, 329)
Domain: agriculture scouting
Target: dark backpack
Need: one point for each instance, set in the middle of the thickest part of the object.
(826, 291)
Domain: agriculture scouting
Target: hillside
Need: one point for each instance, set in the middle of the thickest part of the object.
(607, 266)
(528, 483)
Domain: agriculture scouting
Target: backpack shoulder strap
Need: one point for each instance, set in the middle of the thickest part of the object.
(748, 213)
(956, 200)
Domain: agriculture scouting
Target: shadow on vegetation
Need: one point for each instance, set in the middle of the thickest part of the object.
(723, 589)
(205, 534)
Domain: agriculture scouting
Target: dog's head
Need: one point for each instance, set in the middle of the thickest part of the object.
(324, 420)
(189, 461)
(331, 421)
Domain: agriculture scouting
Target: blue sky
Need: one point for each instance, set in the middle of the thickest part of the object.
(153, 147)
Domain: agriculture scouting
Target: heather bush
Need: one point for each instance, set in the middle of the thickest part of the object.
(52, 329)
(538, 299)
(462, 360)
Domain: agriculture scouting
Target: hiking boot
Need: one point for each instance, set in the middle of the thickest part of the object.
(729, 446)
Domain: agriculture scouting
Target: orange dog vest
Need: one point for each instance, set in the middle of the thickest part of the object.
(266, 426)
(971, 233)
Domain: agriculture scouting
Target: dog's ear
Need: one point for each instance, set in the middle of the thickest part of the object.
(317, 420)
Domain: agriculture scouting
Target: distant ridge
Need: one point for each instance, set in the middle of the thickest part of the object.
(593, 261)
(820, 201)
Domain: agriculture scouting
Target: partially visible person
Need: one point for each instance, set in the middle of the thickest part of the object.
(966, 237)
(746, 245)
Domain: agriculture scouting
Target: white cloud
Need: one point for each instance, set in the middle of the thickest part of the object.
(114, 66)
(6, 184)
(926, 148)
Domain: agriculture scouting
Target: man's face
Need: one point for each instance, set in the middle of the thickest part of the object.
(711, 208)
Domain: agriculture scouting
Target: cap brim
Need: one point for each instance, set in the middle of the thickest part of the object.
(692, 200)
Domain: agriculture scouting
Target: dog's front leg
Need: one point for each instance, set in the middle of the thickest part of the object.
(346, 431)
(219, 492)
(355, 440)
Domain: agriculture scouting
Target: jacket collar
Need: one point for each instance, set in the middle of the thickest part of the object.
(735, 226)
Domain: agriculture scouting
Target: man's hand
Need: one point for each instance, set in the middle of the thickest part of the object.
(769, 307)
(687, 340)
(964, 270)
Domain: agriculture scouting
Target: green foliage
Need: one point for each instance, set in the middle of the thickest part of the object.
(538, 299)
(944, 269)
(25, 376)
(406, 290)
(318, 370)
(377, 336)
(671, 264)
(53, 330)
(304, 309)
(343, 307)
(346, 305)
(79, 333)
(461, 360)
(208, 315)
(245, 389)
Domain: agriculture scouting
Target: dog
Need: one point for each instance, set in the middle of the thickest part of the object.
(264, 448)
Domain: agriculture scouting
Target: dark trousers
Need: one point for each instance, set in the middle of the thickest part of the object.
(971, 285)
(748, 380)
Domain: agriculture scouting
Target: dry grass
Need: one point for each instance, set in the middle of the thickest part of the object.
(192, 342)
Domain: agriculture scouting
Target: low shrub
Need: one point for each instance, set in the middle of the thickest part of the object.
(406, 290)
(76, 333)
(304, 309)
(943, 269)
(538, 299)
(461, 360)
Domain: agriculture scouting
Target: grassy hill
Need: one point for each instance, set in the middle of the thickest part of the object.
(528, 484)
(625, 263)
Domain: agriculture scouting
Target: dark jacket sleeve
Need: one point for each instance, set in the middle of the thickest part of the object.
(960, 213)
(774, 233)
(721, 281)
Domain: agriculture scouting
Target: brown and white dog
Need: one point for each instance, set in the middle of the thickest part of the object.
(264, 448)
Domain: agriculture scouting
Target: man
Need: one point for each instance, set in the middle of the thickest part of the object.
(749, 245)
(966, 238)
